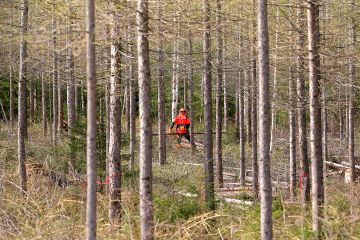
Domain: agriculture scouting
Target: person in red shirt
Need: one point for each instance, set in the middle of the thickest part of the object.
(182, 123)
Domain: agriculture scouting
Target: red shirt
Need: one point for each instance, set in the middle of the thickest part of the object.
(181, 121)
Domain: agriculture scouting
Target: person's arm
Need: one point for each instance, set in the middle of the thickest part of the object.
(172, 126)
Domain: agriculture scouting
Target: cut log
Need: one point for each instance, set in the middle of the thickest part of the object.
(348, 165)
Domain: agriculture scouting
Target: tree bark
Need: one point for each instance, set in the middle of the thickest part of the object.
(145, 155)
(352, 51)
(11, 85)
(315, 115)
(191, 91)
(22, 117)
(241, 82)
(219, 96)
(208, 144)
(55, 84)
(301, 106)
(43, 103)
(32, 101)
(254, 140)
(292, 134)
(264, 123)
(175, 71)
(115, 124)
(274, 93)
(70, 88)
(161, 81)
(91, 122)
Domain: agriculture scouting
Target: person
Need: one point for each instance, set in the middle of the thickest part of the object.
(182, 123)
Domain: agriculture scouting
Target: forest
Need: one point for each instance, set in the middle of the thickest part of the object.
(179, 119)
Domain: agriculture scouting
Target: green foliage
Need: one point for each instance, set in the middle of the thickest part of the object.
(175, 207)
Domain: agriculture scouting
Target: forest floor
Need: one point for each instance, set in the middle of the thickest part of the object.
(57, 211)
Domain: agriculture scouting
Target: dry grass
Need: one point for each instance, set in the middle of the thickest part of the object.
(51, 212)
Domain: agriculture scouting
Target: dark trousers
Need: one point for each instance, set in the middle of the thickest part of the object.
(181, 135)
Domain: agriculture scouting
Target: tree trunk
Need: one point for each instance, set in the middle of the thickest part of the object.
(43, 103)
(241, 82)
(292, 134)
(32, 101)
(161, 81)
(315, 115)
(264, 123)
(301, 106)
(191, 91)
(115, 124)
(22, 118)
(208, 144)
(254, 141)
(175, 71)
(351, 95)
(219, 96)
(274, 95)
(145, 155)
(55, 84)
(61, 103)
(91, 122)
(70, 89)
(11, 100)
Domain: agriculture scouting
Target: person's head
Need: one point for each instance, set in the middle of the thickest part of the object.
(182, 111)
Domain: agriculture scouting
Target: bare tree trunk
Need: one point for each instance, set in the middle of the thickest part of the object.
(91, 122)
(254, 141)
(315, 115)
(115, 124)
(301, 106)
(132, 93)
(208, 144)
(61, 103)
(351, 95)
(225, 93)
(249, 109)
(43, 103)
(22, 95)
(11, 86)
(264, 123)
(32, 101)
(274, 95)
(219, 96)
(175, 71)
(241, 114)
(55, 84)
(70, 89)
(145, 155)
(161, 80)
(191, 91)
(292, 134)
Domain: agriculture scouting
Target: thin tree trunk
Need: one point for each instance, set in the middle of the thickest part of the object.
(315, 115)
(115, 124)
(249, 108)
(274, 95)
(55, 84)
(254, 141)
(175, 71)
(145, 155)
(91, 122)
(11, 86)
(292, 134)
(32, 100)
(208, 144)
(219, 96)
(22, 95)
(351, 95)
(264, 123)
(241, 115)
(43, 103)
(191, 91)
(61, 103)
(301, 106)
(70, 89)
(161, 81)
